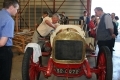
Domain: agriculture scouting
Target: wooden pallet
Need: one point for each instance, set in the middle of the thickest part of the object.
(21, 39)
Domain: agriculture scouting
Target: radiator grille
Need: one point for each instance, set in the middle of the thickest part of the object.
(68, 49)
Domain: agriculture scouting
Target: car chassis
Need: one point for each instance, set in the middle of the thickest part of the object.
(67, 50)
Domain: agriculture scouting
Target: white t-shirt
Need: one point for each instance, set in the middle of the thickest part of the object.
(43, 28)
(84, 18)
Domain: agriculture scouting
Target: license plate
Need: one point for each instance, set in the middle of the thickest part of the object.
(69, 71)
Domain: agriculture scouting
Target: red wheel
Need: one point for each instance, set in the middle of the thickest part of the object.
(104, 64)
(29, 68)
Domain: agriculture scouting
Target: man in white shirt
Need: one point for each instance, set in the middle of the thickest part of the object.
(48, 24)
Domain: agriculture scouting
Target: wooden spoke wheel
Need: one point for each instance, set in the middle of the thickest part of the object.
(29, 68)
(104, 64)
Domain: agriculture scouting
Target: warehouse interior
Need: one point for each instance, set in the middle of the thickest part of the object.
(27, 16)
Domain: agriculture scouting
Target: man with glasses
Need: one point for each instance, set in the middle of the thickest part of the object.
(105, 29)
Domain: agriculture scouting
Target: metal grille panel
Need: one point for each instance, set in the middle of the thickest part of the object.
(68, 50)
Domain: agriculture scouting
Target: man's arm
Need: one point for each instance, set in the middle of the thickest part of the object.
(50, 24)
(111, 31)
(109, 24)
(3, 41)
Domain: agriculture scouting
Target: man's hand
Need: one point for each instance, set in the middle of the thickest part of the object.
(94, 28)
(3, 41)
(113, 35)
(56, 25)
(50, 24)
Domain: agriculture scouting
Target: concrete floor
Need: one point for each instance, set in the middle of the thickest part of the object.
(17, 63)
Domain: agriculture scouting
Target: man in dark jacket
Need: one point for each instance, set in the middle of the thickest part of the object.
(116, 33)
(85, 20)
(64, 19)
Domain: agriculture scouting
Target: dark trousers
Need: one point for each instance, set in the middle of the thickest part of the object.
(5, 62)
(113, 42)
(106, 43)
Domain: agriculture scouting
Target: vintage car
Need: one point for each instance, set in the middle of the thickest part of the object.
(67, 48)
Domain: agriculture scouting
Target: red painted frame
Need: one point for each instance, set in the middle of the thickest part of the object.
(84, 69)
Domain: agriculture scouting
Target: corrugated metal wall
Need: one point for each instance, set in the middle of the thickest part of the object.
(72, 8)
(31, 10)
